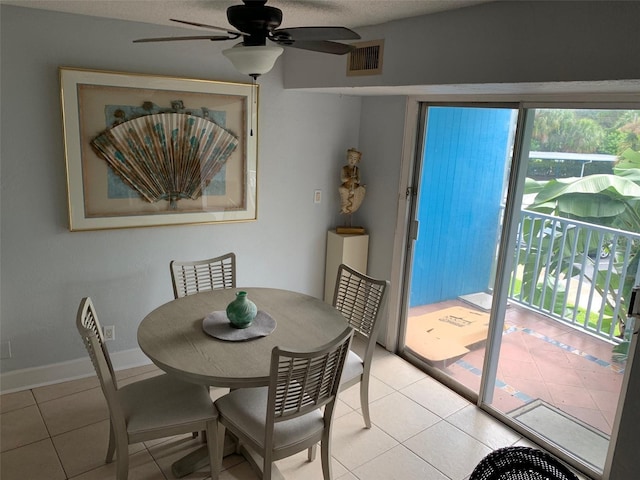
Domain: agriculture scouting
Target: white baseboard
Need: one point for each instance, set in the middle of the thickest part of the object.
(64, 371)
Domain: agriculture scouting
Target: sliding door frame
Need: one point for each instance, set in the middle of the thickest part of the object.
(513, 204)
(411, 174)
(415, 129)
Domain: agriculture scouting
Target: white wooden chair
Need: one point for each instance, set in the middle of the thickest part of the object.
(360, 299)
(287, 416)
(203, 275)
(156, 407)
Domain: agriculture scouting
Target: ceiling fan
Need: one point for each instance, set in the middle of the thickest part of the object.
(255, 23)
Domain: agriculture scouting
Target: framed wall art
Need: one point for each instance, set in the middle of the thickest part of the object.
(146, 150)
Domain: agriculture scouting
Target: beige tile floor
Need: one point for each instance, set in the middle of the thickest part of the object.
(421, 430)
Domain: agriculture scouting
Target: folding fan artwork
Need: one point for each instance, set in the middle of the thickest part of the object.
(166, 156)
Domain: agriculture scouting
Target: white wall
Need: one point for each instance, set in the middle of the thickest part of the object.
(46, 269)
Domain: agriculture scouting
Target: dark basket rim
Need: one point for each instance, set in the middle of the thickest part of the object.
(520, 463)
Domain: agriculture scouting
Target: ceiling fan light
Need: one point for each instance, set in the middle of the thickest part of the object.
(253, 60)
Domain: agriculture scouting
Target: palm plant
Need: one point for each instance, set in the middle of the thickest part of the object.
(608, 200)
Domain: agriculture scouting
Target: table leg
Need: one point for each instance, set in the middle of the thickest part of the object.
(190, 463)
(199, 458)
(256, 463)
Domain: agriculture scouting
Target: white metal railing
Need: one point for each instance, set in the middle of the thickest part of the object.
(573, 271)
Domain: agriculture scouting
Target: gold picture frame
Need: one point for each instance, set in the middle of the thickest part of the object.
(104, 195)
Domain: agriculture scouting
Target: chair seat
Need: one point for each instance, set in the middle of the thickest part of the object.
(353, 368)
(246, 410)
(161, 401)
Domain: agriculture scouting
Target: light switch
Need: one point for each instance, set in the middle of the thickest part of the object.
(317, 196)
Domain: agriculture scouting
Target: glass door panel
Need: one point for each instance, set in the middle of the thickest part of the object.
(533, 324)
(562, 351)
(460, 201)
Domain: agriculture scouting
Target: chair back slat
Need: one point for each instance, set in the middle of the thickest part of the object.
(304, 381)
(359, 298)
(91, 332)
(204, 275)
(89, 327)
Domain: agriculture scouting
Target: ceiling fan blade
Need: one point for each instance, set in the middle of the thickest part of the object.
(212, 27)
(316, 33)
(322, 46)
(196, 37)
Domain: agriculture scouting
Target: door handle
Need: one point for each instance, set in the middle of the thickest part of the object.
(413, 230)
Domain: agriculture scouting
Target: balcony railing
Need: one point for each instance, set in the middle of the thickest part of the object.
(574, 272)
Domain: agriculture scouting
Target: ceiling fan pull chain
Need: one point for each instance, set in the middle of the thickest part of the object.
(253, 99)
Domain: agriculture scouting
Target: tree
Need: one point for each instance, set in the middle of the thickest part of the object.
(557, 130)
(586, 131)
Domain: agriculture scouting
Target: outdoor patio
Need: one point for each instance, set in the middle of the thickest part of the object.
(540, 359)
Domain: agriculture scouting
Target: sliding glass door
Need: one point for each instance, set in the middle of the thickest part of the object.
(522, 258)
(461, 187)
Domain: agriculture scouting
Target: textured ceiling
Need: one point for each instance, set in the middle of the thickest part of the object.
(348, 13)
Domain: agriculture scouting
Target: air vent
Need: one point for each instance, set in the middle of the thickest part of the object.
(366, 59)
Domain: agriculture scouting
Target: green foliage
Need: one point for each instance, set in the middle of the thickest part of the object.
(612, 140)
(620, 351)
(607, 198)
(604, 200)
(628, 165)
(557, 130)
(586, 131)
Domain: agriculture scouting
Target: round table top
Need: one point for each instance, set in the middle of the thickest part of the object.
(173, 338)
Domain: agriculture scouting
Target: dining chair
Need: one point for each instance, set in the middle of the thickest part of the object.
(360, 299)
(155, 407)
(203, 275)
(521, 463)
(287, 417)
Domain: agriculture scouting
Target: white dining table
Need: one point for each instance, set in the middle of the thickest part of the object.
(172, 336)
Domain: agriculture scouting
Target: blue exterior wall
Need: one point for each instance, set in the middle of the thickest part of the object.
(460, 200)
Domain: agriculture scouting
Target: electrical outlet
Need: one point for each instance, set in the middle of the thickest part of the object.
(109, 332)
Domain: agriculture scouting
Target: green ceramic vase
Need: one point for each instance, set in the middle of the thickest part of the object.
(241, 311)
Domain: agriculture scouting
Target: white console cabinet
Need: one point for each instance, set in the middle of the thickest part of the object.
(344, 248)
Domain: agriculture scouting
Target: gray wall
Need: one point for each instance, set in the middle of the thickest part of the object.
(498, 42)
(381, 136)
(46, 269)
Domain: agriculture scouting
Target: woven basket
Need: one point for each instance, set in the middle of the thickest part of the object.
(521, 463)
